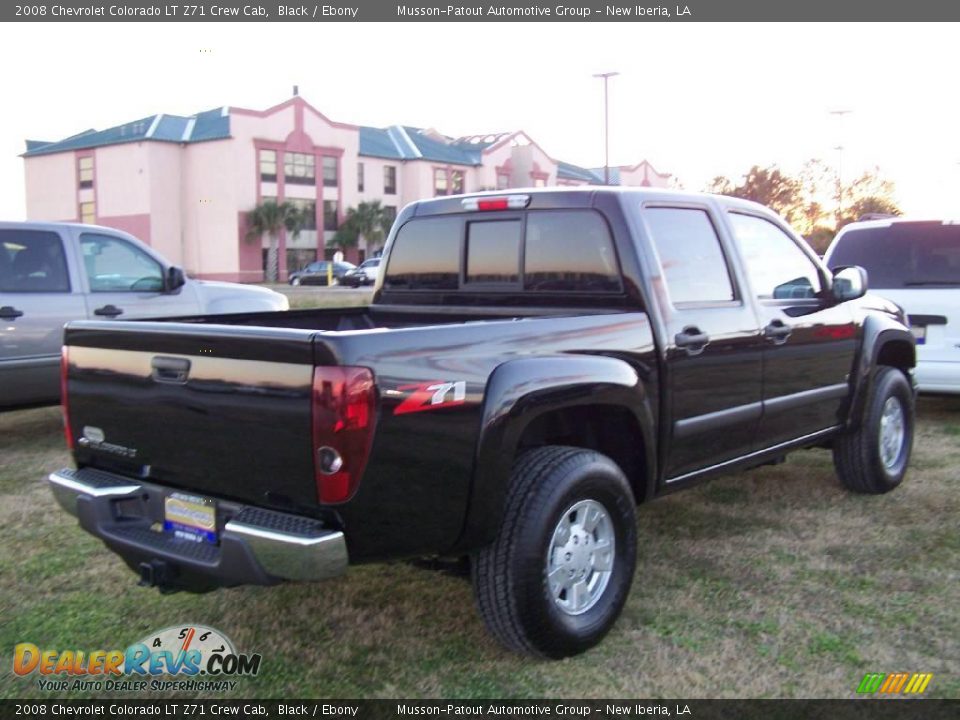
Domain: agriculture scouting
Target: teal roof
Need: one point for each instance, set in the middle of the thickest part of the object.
(397, 142)
(575, 172)
(209, 125)
(375, 142)
(400, 142)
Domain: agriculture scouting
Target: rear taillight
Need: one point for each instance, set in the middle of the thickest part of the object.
(64, 399)
(344, 407)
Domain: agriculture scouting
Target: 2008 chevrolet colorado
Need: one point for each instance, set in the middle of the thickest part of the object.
(535, 363)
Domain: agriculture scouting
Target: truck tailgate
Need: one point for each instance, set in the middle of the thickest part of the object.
(220, 410)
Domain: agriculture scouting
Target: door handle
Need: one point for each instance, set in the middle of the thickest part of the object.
(174, 371)
(778, 331)
(108, 311)
(692, 339)
(8, 312)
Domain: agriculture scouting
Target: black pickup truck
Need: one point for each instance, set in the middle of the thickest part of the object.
(534, 365)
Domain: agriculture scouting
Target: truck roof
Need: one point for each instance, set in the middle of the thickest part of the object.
(582, 196)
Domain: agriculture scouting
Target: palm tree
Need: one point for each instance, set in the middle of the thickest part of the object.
(367, 220)
(269, 218)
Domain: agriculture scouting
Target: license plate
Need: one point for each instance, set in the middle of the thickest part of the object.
(191, 517)
(920, 333)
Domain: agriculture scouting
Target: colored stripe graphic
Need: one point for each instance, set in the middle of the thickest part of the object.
(894, 683)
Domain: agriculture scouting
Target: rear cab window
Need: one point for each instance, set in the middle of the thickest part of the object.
(539, 251)
(903, 255)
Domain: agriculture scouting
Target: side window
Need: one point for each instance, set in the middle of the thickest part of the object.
(114, 265)
(778, 268)
(426, 255)
(569, 251)
(32, 261)
(493, 251)
(691, 258)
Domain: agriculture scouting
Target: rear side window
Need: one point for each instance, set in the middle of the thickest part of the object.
(32, 261)
(493, 251)
(903, 254)
(426, 255)
(692, 261)
(570, 251)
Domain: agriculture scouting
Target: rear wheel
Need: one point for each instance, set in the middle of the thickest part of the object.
(557, 576)
(874, 458)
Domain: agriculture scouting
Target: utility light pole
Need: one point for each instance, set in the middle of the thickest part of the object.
(606, 125)
(839, 149)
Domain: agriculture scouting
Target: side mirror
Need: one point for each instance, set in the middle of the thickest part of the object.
(849, 283)
(175, 279)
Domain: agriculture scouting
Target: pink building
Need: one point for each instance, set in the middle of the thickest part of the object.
(185, 184)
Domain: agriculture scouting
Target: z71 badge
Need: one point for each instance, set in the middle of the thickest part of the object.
(431, 396)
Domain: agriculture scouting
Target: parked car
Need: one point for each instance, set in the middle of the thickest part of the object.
(917, 265)
(316, 273)
(51, 273)
(533, 366)
(365, 274)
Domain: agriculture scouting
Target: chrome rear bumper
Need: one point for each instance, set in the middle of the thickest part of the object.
(256, 545)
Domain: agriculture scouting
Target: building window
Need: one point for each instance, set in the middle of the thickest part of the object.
(439, 181)
(299, 169)
(330, 171)
(359, 177)
(389, 215)
(268, 165)
(88, 213)
(85, 172)
(539, 182)
(330, 220)
(456, 182)
(389, 180)
(309, 210)
(503, 181)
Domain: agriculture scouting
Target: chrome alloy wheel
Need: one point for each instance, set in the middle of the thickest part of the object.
(580, 557)
(893, 431)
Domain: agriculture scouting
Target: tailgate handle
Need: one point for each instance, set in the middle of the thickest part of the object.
(170, 370)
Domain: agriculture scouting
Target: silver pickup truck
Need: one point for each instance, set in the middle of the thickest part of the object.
(51, 273)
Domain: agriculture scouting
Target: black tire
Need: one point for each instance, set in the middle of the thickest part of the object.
(858, 456)
(510, 576)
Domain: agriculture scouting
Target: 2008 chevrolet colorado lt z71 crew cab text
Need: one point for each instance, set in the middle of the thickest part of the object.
(534, 364)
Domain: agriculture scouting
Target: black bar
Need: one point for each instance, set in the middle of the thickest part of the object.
(852, 709)
(480, 11)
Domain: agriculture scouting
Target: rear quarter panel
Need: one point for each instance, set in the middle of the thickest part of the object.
(424, 474)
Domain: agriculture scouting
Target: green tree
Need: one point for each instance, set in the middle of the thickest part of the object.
(767, 186)
(367, 220)
(270, 218)
(869, 193)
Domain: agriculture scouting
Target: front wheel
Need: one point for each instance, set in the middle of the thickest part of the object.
(557, 576)
(873, 459)
(295, 281)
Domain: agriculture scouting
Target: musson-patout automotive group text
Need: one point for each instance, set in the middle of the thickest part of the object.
(581, 11)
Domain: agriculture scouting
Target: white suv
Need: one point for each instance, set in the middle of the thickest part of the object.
(917, 265)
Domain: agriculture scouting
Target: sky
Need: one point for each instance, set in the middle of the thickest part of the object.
(696, 100)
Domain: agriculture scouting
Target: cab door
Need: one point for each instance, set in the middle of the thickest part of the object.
(37, 297)
(809, 341)
(124, 281)
(713, 352)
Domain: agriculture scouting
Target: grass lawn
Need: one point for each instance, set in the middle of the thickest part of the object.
(771, 583)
